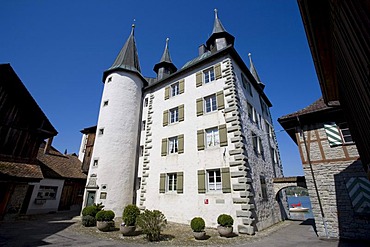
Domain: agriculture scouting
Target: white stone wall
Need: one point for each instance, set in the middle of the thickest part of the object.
(116, 148)
(183, 207)
(51, 205)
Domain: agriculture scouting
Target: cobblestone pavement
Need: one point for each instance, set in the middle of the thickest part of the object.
(64, 229)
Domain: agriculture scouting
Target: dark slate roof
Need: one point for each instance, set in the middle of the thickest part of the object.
(89, 130)
(197, 59)
(57, 165)
(252, 69)
(218, 32)
(165, 59)
(22, 171)
(317, 106)
(127, 58)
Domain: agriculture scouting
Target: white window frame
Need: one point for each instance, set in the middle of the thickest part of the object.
(173, 115)
(173, 145)
(210, 100)
(216, 184)
(171, 182)
(263, 183)
(209, 75)
(47, 192)
(212, 137)
(257, 143)
(175, 89)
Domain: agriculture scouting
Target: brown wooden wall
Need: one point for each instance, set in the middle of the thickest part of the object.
(89, 147)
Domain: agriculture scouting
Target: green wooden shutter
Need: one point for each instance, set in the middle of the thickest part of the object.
(225, 179)
(181, 86)
(199, 107)
(200, 137)
(164, 147)
(223, 135)
(162, 183)
(180, 183)
(165, 118)
(180, 139)
(201, 181)
(199, 77)
(332, 132)
(220, 100)
(181, 113)
(167, 93)
(218, 71)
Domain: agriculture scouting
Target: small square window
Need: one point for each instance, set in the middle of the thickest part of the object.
(101, 131)
(173, 145)
(209, 75)
(346, 134)
(174, 115)
(214, 180)
(212, 137)
(141, 152)
(109, 79)
(103, 195)
(95, 162)
(210, 103)
(175, 89)
(105, 103)
(171, 182)
(143, 124)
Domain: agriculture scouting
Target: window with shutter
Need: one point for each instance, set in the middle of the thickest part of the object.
(181, 86)
(174, 115)
(220, 100)
(212, 137)
(167, 93)
(223, 135)
(181, 113)
(218, 71)
(165, 118)
(162, 183)
(164, 147)
(209, 75)
(210, 103)
(214, 180)
(171, 182)
(333, 134)
(225, 178)
(201, 181)
(181, 144)
(199, 79)
(200, 139)
(180, 182)
(199, 107)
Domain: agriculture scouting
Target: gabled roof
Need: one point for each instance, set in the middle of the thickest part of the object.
(317, 112)
(57, 165)
(127, 58)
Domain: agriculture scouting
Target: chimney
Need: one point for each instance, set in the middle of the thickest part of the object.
(202, 49)
(48, 145)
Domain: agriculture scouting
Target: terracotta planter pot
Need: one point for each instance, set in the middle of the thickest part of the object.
(224, 231)
(127, 230)
(105, 226)
(199, 235)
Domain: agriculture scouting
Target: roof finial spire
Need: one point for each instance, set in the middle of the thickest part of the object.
(253, 71)
(250, 58)
(216, 16)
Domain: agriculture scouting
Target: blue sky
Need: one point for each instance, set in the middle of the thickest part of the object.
(60, 50)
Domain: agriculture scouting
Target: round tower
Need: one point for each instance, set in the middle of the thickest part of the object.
(115, 156)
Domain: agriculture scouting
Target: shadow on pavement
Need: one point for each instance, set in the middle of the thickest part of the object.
(32, 230)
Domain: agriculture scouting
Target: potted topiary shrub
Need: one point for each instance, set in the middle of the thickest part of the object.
(104, 220)
(225, 227)
(197, 224)
(129, 216)
(89, 213)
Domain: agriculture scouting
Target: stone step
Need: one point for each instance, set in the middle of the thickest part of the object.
(242, 229)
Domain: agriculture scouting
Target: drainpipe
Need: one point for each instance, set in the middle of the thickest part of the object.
(314, 180)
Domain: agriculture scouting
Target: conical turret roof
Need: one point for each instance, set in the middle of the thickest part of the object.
(219, 32)
(127, 58)
(165, 60)
(253, 71)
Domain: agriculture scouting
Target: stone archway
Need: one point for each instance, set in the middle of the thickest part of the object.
(284, 182)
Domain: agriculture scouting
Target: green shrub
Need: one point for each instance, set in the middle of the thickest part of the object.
(197, 224)
(105, 215)
(130, 214)
(225, 220)
(88, 220)
(92, 210)
(151, 223)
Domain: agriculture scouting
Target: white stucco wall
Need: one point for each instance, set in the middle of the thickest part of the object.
(51, 205)
(81, 152)
(116, 148)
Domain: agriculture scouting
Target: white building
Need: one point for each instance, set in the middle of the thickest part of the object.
(195, 141)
